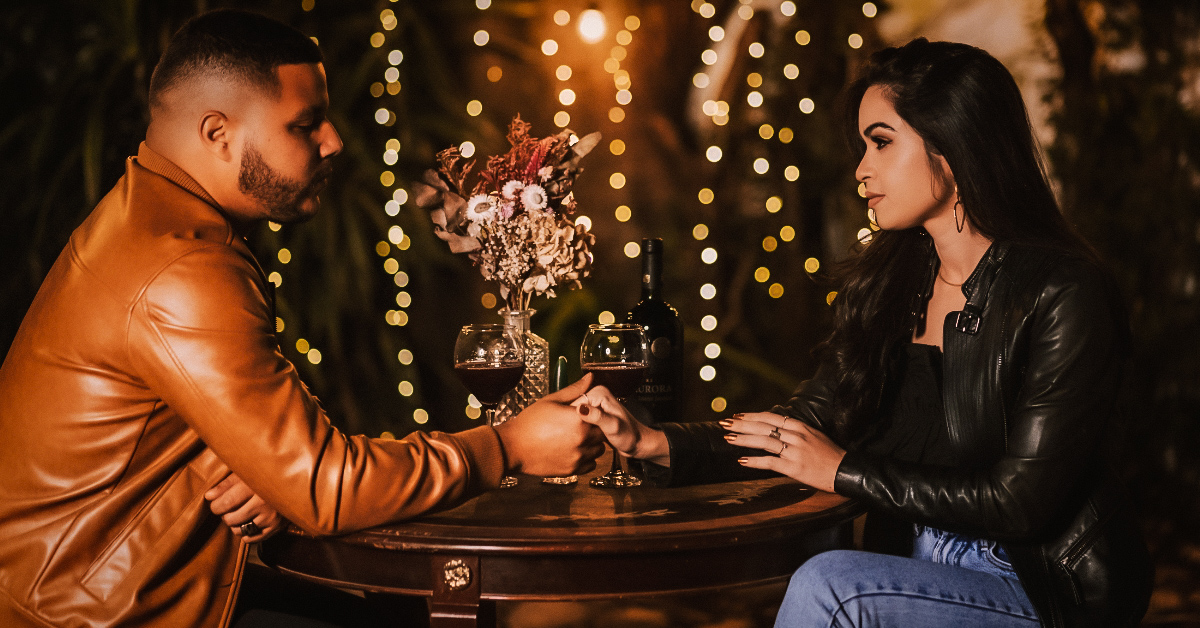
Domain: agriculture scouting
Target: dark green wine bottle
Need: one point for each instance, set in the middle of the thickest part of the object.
(660, 392)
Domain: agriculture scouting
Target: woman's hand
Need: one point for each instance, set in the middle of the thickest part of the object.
(237, 505)
(626, 434)
(797, 450)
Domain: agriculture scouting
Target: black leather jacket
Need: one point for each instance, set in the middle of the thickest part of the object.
(1032, 367)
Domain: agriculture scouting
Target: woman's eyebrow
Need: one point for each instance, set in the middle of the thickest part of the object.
(877, 125)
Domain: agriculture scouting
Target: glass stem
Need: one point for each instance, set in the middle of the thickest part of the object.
(616, 463)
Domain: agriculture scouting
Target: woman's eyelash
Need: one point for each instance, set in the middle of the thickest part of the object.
(880, 142)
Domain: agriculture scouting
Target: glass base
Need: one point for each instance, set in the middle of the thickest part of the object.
(616, 479)
(562, 480)
(508, 481)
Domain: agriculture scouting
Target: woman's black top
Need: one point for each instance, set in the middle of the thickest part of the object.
(912, 425)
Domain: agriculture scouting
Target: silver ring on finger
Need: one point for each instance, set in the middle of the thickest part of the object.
(250, 529)
(774, 434)
(782, 446)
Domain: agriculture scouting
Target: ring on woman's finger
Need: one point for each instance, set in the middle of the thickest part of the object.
(250, 529)
(782, 446)
(774, 433)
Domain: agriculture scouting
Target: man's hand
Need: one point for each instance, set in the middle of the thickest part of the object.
(549, 439)
(626, 434)
(236, 504)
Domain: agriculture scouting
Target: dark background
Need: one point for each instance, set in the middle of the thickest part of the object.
(73, 77)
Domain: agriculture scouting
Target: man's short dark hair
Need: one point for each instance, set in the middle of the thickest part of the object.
(239, 44)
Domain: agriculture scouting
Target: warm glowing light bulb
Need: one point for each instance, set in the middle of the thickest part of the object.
(592, 26)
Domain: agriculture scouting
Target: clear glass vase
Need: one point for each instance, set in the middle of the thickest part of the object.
(535, 383)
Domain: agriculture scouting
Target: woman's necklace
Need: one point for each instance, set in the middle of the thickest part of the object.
(943, 280)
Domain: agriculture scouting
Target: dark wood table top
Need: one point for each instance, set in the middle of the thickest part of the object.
(547, 542)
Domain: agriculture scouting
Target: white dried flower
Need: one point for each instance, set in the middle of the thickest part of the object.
(511, 190)
(534, 197)
(481, 208)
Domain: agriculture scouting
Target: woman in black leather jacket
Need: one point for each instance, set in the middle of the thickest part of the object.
(967, 389)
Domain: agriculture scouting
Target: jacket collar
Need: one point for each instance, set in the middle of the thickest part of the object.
(151, 160)
(976, 288)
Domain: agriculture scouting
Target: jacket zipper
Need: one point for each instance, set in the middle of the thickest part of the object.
(1077, 548)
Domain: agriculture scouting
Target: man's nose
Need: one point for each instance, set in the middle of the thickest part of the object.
(331, 142)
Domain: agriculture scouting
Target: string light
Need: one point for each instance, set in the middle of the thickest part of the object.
(399, 196)
(592, 26)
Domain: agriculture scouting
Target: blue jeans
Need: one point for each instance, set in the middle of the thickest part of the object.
(950, 581)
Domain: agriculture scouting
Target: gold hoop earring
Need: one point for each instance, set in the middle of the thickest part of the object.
(958, 225)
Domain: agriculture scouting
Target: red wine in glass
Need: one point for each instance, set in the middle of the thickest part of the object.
(620, 378)
(615, 355)
(489, 359)
(489, 381)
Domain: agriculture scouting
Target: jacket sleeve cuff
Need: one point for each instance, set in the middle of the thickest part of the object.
(852, 473)
(485, 456)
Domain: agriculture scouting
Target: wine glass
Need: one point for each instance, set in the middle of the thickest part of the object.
(615, 355)
(489, 359)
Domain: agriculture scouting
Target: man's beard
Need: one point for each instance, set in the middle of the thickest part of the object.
(281, 196)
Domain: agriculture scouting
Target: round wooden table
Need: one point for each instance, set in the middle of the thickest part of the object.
(544, 542)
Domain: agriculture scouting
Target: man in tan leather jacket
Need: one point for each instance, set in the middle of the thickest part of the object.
(147, 369)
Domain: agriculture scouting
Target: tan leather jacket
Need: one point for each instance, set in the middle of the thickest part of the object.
(146, 369)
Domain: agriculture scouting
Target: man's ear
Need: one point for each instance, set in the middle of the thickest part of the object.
(216, 135)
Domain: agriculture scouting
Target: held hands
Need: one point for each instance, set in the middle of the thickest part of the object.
(237, 505)
(626, 434)
(797, 450)
(549, 439)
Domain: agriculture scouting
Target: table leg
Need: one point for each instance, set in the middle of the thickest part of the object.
(455, 602)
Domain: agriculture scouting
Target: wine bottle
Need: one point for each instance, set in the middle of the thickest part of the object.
(660, 391)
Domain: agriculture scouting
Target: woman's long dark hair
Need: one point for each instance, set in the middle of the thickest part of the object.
(968, 109)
